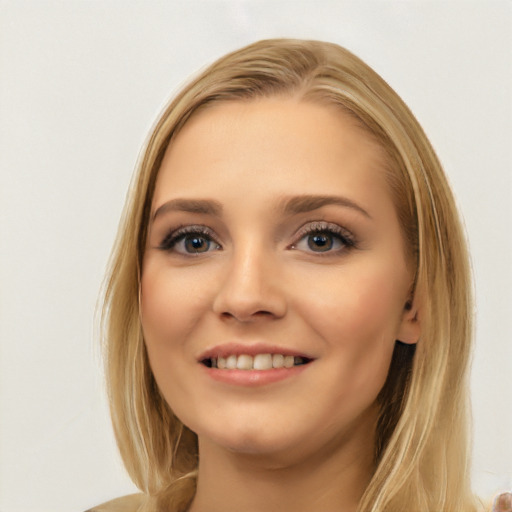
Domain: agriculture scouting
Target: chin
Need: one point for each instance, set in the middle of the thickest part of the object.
(252, 440)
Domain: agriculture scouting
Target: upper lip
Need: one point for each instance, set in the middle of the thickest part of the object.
(252, 349)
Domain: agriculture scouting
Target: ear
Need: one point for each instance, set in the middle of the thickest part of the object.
(410, 327)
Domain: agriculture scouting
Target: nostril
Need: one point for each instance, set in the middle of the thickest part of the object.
(262, 313)
(247, 317)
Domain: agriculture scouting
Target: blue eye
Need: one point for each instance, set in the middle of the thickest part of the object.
(190, 240)
(324, 238)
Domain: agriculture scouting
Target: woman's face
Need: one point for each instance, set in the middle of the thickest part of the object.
(274, 241)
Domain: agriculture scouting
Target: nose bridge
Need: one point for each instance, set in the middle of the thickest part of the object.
(250, 287)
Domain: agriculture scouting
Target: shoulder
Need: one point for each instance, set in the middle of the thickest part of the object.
(130, 503)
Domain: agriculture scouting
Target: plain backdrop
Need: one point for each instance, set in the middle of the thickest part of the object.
(81, 82)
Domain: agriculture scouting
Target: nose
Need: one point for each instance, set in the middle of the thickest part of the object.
(251, 289)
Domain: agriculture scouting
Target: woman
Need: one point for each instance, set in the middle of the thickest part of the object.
(288, 313)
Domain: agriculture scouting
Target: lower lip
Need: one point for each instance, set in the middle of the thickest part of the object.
(253, 378)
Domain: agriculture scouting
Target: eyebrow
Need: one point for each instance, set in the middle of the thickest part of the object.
(205, 206)
(291, 206)
(307, 203)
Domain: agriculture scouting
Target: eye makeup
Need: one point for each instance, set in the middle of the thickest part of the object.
(324, 238)
(190, 240)
(319, 238)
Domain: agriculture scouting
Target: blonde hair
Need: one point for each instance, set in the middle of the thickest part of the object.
(421, 454)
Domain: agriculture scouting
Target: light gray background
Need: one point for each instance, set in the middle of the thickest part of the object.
(80, 85)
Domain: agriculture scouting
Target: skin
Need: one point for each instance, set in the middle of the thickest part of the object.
(304, 443)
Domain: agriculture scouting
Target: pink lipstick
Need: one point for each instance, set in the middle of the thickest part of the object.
(252, 365)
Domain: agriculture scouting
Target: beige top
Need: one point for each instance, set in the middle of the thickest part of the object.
(130, 503)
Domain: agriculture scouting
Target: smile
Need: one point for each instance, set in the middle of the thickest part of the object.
(257, 362)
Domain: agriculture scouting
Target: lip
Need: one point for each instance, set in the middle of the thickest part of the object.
(252, 378)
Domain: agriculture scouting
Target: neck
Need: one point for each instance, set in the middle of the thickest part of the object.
(331, 478)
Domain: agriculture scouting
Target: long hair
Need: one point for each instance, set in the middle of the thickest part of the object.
(422, 450)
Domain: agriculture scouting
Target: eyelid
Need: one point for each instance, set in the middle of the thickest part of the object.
(347, 237)
(174, 235)
(321, 225)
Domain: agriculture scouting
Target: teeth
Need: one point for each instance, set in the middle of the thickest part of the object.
(258, 362)
(277, 360)
(244, 362)
(262, 362)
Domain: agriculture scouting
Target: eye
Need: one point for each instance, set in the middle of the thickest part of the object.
(321, 242)
(323, 237)
(190, 240)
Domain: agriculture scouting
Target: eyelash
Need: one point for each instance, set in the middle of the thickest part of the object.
(180, 234)
(343, 236)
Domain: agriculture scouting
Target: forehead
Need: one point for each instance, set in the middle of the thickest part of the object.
(271, 144)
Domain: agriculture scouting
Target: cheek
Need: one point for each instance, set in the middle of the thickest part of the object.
(170, 310)
(364, 306)
(357, 317)
(171, 306)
